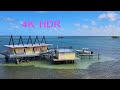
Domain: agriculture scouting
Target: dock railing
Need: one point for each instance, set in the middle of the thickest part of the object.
(89, 55)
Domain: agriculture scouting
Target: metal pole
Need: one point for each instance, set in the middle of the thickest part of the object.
(11, 39)
(21, 41)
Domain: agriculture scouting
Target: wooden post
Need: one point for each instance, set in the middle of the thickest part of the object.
(89, 56)
(81, 56)
(17, 61)
(98, 56)
(6, 58)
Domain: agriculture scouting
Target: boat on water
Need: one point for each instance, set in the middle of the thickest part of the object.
(84, 51)
(115, 36)
(60, 36)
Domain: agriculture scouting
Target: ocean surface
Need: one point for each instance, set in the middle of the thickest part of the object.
(106, 46)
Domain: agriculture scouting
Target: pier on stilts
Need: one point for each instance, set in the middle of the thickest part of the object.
(25, 52)
(39, 50)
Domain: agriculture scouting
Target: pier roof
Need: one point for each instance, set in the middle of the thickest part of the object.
(27, 45)
(65, 50)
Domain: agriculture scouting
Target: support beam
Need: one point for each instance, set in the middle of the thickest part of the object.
(11, 40)
(43, 39)
(37, 40)
(20, 39)
(29, 39)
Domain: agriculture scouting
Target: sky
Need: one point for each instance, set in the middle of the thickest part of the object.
(72, 23)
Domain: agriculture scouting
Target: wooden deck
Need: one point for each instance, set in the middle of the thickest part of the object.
(89, 55)
(22, 55)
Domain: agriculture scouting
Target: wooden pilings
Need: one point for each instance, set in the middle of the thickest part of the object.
(90, 55)
(98, 56)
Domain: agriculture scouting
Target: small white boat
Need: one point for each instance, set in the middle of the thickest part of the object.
(84, 51)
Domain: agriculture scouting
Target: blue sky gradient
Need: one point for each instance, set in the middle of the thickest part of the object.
(73, 23)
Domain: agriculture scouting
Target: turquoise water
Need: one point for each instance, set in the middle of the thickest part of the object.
(107, 47)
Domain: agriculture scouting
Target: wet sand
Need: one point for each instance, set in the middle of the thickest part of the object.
(98, 70)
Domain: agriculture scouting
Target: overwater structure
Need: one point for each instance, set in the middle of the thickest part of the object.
(20, 51)
(25, 52)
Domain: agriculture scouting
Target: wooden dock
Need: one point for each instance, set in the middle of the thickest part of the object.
(89, 55)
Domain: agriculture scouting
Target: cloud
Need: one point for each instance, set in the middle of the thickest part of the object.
(93, 22)
(112, 16)
(85, 26)
(108, 30)
(7, 19)
(77, 24)
(61, 29)
(51, 30)
(15, 26)
(102, 16)
(56, 30)
(21, 22)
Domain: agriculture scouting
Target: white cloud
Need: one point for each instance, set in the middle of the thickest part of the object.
(112, 16)
(15, 26)
(21, 22)
(85, 26)
(51, 30)
(58, 30)
(102, 16)
(77, 24)
(108, 30)
(93, 22)
(7, 19)
(55, 29)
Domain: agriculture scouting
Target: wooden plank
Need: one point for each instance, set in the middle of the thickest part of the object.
(87, 54)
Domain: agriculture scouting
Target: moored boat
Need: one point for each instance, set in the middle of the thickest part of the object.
(115, 36)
